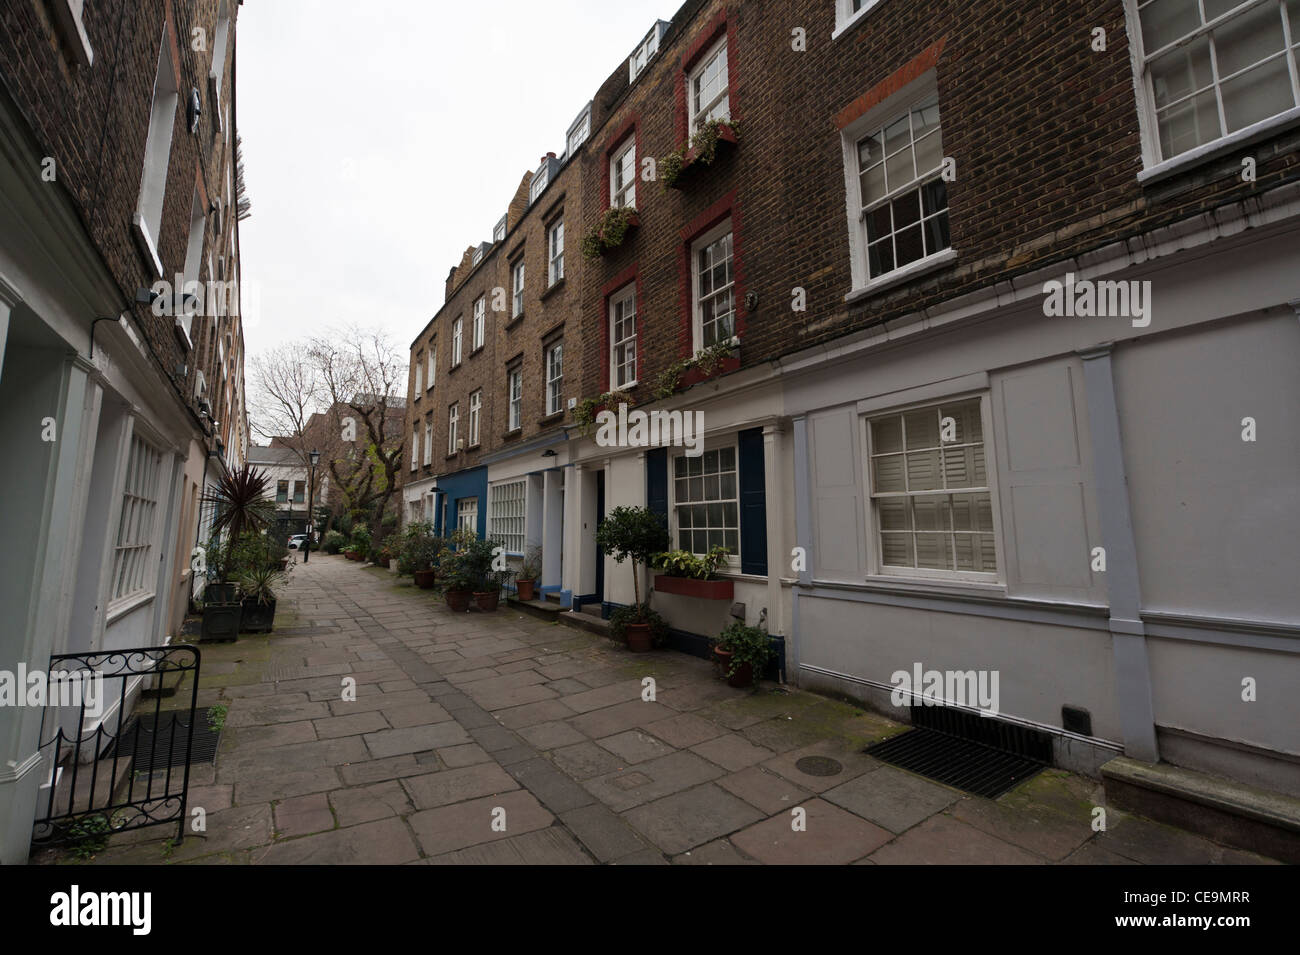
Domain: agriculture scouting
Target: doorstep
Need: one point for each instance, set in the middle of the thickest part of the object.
(585, 621)
(542, 609)
(1229, 812)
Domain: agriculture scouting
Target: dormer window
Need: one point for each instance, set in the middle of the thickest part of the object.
(645, 52)
(579, 131)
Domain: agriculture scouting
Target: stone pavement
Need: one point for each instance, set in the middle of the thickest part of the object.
(500, 738)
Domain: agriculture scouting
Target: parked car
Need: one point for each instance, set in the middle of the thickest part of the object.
(296, 541)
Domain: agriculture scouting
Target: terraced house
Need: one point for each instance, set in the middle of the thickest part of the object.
(121, 345)
(997, 371)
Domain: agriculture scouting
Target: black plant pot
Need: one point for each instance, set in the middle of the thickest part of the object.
(257, 617)
(221, 593)
(220, 623)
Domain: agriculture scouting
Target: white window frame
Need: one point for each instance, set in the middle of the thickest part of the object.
(555, 252)
(134, 572)
(467, 514)
(515, 398)
(428, 441)
(219, 43)
(697, 72)
(555, 378)
(477, 257)
(510, 527)
(541, 179)
(499, 231)
(877, 567)
(622, 192)
(846, 17)
(675, 503)
(645, 52)
(147, 220)
(518, 276)
(453, 427)
(457, 336)
(475, 416)
(579, 131)
(433, 367)
(419, 379)
(1155, 164)
(898, 105)
(697, 303)
(415, 448)
(68, 14)
(480, 324)
(621, 297)
(193, 265)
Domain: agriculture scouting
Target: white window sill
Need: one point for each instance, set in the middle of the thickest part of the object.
(907, 273)
(116, 611)
(146, 243)
(1241, 137)
(854, 20)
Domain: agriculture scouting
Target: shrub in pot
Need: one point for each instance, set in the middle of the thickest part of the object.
(526, 582)
(334, 542)
(419, 553)
(258, 587)
(478, 557)
(743, 651)
(454, 564)
(640, 628)
(634, 534)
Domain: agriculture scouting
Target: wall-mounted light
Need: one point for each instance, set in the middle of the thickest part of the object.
(196, 109)
(548, 453)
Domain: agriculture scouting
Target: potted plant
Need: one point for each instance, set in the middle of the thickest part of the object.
(743, 652)
(479, 556)
(690, 576)
(624, 617)
(526, 582)
(239, 505)
(258, 586)
(334, 542)
(453, 562)
(419, 554)
(635, 534)
(360, 542)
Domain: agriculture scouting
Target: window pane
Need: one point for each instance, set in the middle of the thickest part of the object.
(1189, 124)
(929, 154)
(887, 474)
(1181, 72)
(872, 183)
(909, 246)
(893, 514)
(1257, 94)
(1248, 38)
(1165, 21)
(922, 428)
(931, 513)
(886, 435)
(728, 488)
(898, 135)
(923, 473)
(898, 170)
(907, 209)
(936, 234)
(896, 550)
(933, 551)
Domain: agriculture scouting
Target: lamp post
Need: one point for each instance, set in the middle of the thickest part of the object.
(311, 487)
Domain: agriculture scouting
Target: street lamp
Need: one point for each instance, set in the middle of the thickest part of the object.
(311, 487)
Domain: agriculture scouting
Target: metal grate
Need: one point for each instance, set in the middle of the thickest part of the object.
(977, 754)
(157, 741)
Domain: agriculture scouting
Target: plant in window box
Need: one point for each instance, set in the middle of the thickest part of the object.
(609, 231)
(585, 412)
(743, 652)
(635, 534)
(526, 582)
(688, 575)
(701, 151)
(704, 362)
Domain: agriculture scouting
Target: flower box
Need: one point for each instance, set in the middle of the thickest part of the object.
(691, 159)
(692, 587)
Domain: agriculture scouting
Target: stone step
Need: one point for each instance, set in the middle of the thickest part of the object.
(585, 621)
(552, 596)
(543, 609)
(592, 610)
(1228, 812)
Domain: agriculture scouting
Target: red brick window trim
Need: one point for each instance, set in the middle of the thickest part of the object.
(722, 25)
(725, 209)
(629, 276)
(631, 128)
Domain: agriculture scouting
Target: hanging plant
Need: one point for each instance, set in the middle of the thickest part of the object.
(609, 231)
(702, 149)
(706, 361)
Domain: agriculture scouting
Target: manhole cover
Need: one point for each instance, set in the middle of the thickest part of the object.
(819, 766)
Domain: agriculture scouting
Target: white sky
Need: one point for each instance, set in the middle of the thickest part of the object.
(382, 138)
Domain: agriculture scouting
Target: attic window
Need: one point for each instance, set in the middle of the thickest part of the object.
(580, 130)
(541, 180)
(644, 53)
(499, 233)
(478, 255)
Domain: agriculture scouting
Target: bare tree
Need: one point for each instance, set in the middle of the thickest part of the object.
(364, 378)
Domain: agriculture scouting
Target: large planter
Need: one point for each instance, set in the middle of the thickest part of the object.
(425, 579)
(458, 600)
(526, 589)
(220, 623)
(639, 639)
(487, 600)
(692, 587)
(744, 675)
(257, 617)
(221, 593)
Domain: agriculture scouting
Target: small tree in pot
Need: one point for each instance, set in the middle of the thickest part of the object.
(457, 572)
(419, 554)
(635, 534)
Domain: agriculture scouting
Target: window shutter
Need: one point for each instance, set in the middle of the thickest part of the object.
(753, 502)
(656, 481)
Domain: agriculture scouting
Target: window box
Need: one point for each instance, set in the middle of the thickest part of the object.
(715, 360)
(691, 587)
(610, 231)
(702, 151)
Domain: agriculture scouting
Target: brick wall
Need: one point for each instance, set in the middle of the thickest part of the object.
(94, 121)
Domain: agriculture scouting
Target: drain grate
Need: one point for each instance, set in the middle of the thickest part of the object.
(158, 742)
(973, 753)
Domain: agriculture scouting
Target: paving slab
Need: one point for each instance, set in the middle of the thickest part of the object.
(603, 832)
(547, 736)
(943, 840)
(626, 788)
(551, 846)
(472, 823)
(386, 842)
(415, 739)
(691, 818)
(303, 815)
(370, 803)
(831, 837)
(457, 785)
(892, 798)
(634, 746)
(764, 790)
(732, 751)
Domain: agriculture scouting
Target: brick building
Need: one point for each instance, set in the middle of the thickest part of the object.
(121, 376)
(1000, 307)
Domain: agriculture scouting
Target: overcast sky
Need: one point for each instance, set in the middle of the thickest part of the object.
(382, 138)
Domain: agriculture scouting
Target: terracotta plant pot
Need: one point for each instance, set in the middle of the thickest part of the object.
(425, 579)
(458, 600)
(744, 675)
(527, 589)
(638, 637)
(487, 601)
